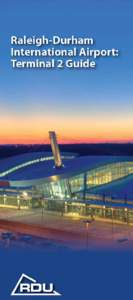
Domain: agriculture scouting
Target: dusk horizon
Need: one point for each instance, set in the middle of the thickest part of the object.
(79, 105)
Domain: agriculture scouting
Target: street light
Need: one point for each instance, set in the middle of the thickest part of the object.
(104, 210)
(126, 215)
(25, 195)
(126, 220)
(87, 222)
(112, 222)
(5, 198)
(18, 201)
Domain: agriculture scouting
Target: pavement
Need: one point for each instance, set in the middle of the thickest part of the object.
(75, 232)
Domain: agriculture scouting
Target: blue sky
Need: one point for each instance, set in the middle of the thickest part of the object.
(96, 104)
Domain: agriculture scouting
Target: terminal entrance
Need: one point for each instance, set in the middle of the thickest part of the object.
(115, 210)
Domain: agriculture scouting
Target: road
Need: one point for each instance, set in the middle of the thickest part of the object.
(73, 232)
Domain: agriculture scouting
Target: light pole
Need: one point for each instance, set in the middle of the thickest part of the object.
(126, 220)
(42, 202)
(87, 222)
(112, 210)
(18, 201)
(104, 208)
(5, 198)
(126, 215)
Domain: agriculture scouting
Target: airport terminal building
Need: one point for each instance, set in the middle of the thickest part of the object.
(93, 186)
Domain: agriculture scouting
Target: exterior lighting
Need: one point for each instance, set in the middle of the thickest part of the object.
(18, 201)
(25, 194)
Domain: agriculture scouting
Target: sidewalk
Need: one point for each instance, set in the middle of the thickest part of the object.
(71, 231)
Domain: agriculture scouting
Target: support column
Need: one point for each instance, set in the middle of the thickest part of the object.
(85, 186)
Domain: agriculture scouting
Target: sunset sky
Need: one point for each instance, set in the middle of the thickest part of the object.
(80, 105)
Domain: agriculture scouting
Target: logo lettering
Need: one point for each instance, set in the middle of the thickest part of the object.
(33, 288)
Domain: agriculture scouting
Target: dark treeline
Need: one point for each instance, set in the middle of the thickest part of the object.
(81, 149)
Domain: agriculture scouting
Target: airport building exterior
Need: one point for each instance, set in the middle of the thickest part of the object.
(91, 186)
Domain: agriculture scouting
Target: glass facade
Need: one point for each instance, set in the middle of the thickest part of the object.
(108, 173)
(82, 183)
(75, 195)
(77, 183)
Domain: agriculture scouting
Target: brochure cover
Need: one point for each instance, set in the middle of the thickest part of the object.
(66, 149)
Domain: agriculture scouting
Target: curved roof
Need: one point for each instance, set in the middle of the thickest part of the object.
(39, 166)
(13, 161)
